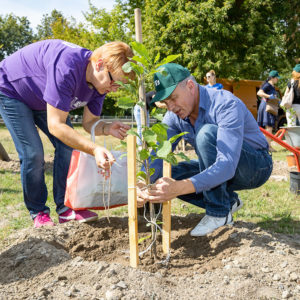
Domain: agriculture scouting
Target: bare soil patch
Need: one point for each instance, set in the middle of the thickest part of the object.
(91, 261)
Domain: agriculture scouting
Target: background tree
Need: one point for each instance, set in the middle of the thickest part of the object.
(15, 33)
(239, 39)
(44, 30)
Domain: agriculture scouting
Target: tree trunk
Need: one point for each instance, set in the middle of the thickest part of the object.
(3, 154)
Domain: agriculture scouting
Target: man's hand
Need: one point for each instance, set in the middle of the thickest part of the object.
(164, 189)
(116, 129)
(141, 193)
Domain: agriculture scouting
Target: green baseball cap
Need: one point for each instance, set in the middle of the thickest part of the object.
(274, 73)
(297, 68)
(167, 79)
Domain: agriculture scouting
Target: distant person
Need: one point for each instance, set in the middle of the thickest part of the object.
(39, 85)
(212, 81)
(295, 84)
(138, 117)
(267, 91)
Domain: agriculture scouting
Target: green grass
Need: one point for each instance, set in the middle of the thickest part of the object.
(271, 206)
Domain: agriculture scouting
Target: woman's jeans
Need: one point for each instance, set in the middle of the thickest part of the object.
(21, 121)
(253, 170)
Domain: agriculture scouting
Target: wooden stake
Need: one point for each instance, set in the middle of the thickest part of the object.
(139, 38)
(166, 238)
(132, 201)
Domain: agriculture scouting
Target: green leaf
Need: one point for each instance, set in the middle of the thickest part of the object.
(127, 68)
(139, 70)
(149, 136)
(157, 57)
(132, 132)
(141, 103)
(144, 238)
(168, 59)
(122, 155)
(183, 156)
(144, 154)
(125, 103)
(141, 60)
(151, 171)
(122, 145)
(171, 159)
(141, 175)
(158, 113)
(164, 149)
(161, 131)
(128, 87)
(140, 49)
(175, 137)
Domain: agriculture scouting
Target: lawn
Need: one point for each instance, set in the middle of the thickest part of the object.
(272, 206)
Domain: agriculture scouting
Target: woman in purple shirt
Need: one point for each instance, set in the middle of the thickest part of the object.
(39, 85)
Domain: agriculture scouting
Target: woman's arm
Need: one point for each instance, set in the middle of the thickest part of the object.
(57, 126)
(262, 94)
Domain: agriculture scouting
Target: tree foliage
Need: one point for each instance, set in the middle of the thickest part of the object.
(239, 39)
(15, 33)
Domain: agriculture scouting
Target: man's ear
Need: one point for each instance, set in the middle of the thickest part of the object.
(99, 64)
(190, 84)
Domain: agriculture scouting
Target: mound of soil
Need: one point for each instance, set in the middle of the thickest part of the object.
(91, 261)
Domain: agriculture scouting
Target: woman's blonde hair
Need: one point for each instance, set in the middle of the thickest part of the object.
(296, 76)
(114, 55)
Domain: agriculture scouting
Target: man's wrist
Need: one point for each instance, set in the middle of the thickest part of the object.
(105, 129)
(185, 186)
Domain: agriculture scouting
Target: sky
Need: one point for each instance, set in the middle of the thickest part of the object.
(35, 9)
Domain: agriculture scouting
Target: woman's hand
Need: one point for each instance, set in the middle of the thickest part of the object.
(116, 129)
(104, 159)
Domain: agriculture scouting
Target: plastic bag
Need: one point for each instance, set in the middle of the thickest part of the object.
(288, 97)
(87, 188)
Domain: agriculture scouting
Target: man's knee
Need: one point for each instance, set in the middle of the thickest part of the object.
(206, 137)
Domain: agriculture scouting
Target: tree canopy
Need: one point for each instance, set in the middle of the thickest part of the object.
(15, 33)
(237, 38)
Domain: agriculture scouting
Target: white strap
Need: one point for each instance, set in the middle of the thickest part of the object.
(93, 130)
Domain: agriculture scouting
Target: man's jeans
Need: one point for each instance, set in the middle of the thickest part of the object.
(253, 170)
(21, 121)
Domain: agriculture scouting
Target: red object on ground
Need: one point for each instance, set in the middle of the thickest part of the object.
(277, 137)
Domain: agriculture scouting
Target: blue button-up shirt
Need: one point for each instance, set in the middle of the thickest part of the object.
(235, 125)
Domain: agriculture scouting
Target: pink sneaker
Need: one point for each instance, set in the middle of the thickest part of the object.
(42, 219)
(79, 215)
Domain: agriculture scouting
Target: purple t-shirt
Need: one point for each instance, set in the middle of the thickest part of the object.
(50, 71)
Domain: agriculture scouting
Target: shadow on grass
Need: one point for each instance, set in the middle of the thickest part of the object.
(281, 223)
(9, 191)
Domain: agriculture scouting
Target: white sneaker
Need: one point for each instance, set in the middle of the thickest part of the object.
(237, 205)
(208, 224)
